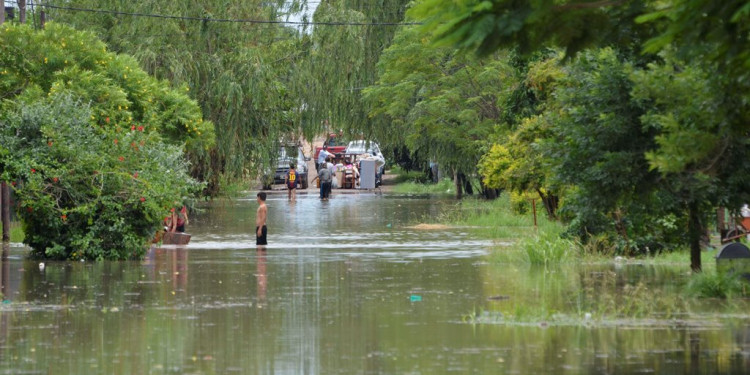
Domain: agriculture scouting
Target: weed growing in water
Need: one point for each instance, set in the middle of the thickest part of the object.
(716, 285)
(547, 249)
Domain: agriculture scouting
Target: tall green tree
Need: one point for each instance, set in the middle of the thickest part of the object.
(516, 160)
(342, 60)
(440, 104)
(697, 30)
(240, 73)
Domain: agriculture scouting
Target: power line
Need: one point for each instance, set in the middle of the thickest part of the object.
(229, 20)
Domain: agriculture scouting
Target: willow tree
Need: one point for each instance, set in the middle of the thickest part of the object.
(341, 60)
(239, 72)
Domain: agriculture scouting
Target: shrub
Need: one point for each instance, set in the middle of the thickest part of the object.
(93, 143)
(84, 193)
(547, 249)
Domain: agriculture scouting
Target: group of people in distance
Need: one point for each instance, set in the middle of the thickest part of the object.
(326, 172)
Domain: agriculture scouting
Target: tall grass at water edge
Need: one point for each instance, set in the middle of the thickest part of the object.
(494, 219)
(444, 187)
(16, 232)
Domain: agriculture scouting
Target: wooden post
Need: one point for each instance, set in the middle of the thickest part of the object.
(42, 18)
(22, 11)
(533, 207)
(5, 210)
(2, 14)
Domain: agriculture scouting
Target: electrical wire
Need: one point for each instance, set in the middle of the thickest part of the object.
(227, 20)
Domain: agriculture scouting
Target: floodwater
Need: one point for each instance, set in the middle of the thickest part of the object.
(345, 287)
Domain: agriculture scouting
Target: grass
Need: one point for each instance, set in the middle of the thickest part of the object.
(716, 285)
(16, 232)
(417, 182)
(444, 187)
(403, 176)
(519, 242)
(495, 219)
(233, 188)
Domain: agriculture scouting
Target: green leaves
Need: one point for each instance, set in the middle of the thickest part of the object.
(440, 104)
(84, 193)
(92, 144)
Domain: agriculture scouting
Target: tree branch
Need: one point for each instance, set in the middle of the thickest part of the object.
(596, 4)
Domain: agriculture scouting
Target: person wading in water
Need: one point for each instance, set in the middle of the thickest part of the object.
(290, 180)
(261, 232)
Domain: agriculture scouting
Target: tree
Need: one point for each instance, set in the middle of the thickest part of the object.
(698, 30)
(93, 145)
(485, 26)
(241, 73)
(441, 105)
(516, 160)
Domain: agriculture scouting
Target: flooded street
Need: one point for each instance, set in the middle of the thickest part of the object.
(345, 287)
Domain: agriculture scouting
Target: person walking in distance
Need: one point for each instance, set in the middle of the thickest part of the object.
(290, 180)
(323, 155)
(261, 232)
(325, 182)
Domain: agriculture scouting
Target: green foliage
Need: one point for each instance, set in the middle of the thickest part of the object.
(93, 145)
(715, 285)
(443, 187)
(88, 193)
(485, 26)
(547, 249)
(441, 105)
(687, 113)
(598, 145)
(239, 73)
(38, 64)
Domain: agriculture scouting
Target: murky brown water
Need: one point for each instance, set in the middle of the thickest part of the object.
(344, 288)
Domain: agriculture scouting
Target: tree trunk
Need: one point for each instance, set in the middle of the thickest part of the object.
(459, 187)
(721, 226)
(465, 183)
(22, 11)
(695, 232)
(550, 202)
(487, 192)
(5, 210)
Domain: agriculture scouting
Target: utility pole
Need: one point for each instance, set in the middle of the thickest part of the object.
(22, 11)
(5, 209)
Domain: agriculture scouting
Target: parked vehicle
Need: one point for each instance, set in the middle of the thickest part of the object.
(359, 148)
(289, 153)
(335, 145)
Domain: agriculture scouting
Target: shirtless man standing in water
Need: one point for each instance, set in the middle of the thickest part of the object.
(260, 222)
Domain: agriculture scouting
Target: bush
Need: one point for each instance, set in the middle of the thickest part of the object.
(93, 143)
(88, 193)
(547, 249)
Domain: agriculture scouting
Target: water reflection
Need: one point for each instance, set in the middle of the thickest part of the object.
(335, 294)
(261, 275)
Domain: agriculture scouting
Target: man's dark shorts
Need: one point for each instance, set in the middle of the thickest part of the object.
(261, 240)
